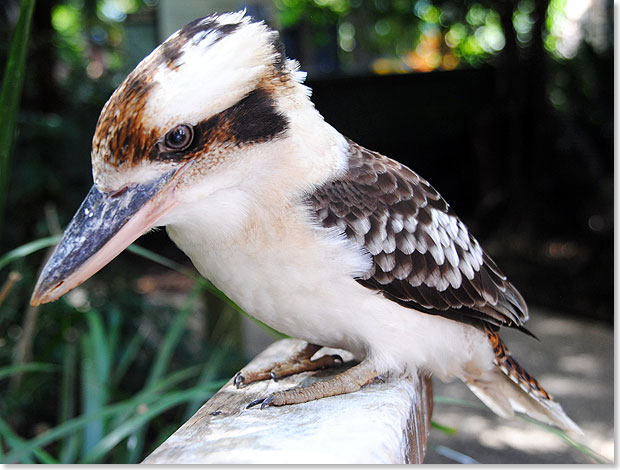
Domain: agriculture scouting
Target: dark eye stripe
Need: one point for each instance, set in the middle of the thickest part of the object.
(254, 119)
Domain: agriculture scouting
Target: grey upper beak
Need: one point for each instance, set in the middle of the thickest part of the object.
(98, 219)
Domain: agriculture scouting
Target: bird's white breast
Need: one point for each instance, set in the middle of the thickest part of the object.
(300, 281)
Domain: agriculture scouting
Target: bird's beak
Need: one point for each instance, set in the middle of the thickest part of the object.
(104, 225)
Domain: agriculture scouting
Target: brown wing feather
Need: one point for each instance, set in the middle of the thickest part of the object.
(423, 255)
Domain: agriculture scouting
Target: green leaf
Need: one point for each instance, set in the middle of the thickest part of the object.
(28, 249)
(14, 440)
(172, 338)
(114, 331)
(443, 428)
(156, 258)
(12, 84)
(162, 360)
(95, 377)
(210, 369)
(152, 392)
(584, 449)
(137, 423)
(127, 357)
(175, 378)
(70, 446)
(99, 343)
(28, 367)
(20, 451)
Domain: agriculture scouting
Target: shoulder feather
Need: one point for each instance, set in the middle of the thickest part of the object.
(423, 255)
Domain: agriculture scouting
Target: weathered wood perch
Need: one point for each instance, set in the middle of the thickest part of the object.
(382, 423)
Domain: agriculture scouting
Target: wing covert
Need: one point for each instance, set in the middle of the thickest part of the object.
(423, 255)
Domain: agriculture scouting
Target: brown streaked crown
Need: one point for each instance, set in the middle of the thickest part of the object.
(128, 133)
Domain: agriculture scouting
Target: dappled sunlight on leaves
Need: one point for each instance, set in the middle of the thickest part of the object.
(426, 35)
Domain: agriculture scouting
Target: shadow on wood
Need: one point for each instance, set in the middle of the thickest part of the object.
(382, 423)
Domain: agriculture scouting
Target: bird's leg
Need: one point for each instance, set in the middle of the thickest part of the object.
(348, 381)
(299, 362)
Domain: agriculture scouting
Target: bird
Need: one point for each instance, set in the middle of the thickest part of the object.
(214, 136)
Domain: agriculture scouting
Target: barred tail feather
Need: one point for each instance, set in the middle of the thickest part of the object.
(509, 388)
(504, 397)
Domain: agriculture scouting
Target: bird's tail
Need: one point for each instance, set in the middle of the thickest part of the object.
(508, 388)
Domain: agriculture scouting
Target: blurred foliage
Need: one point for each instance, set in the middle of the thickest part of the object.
(115, 384)
(117, 365)
(12, 83)
(422, 35)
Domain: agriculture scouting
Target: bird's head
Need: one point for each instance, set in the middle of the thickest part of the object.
(189, 109)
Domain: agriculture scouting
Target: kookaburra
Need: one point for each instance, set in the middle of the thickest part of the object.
(214, 136)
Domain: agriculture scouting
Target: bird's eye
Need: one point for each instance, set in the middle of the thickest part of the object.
(179, 138)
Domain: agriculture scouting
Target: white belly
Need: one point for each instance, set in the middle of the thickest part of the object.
(300, 281)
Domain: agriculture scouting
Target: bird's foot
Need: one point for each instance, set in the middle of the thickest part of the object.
(348, 381)
(300, 362)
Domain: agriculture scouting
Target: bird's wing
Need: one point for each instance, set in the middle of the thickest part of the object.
(423, 255)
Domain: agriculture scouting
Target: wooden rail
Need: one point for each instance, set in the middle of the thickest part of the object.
(382, 423)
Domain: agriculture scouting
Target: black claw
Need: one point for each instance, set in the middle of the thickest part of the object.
(255, 402)
(267, 402)
(380, 378)
(238, 379)
(263, 402)
(273, 376)
(215, 413)
(337, 357)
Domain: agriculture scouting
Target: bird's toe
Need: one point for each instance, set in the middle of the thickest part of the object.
(253, 403)
(267, 401)
(264, 402)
